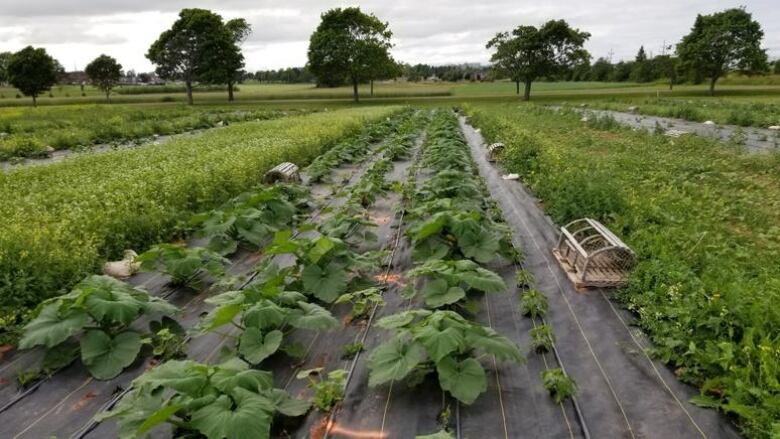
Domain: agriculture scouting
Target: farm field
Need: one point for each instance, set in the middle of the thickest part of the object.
(703, 218)
(53, 233)
(403, 268)
(27, 132)
(749, 112)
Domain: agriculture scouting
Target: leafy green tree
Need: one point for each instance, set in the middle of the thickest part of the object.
(776, 69)
(601, 70)
(187, 50)
(668, 67)
(643, 70)
(722, 42)
(226, 60)
(622, 71)
(104, 72)
(529, 53)
(348, 44)
(239, 30)
(5, 58)
(32, 71)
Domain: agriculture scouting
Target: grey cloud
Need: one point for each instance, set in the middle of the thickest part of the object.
(445, 31)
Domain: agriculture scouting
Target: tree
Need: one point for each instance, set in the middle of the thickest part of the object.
(643, 67)
(622, 71)
(348, 44)
(5, 58)
(721, 42)
(384, 68)
(32, 71)
(667, 66)
(776, 70)
(529, 53)
(104, 72)
(238, 31)
(601, 70)
(188, 49)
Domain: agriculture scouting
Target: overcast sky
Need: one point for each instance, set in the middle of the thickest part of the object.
(427, 31)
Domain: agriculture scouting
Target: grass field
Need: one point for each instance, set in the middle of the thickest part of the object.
(703, 218)
(414, 92)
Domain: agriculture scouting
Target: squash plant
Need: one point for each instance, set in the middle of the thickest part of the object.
(447, 282)
(100, 309)
(184, 265)
(327, 391)
(265, 312)
(229, 400)
(351, 224)
(325, 267)
(363, 301)
(442, 342)
(456, 234)
(250, 218)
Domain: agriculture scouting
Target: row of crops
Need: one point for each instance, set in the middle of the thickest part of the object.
(102, 322)
(59, 223)
(723, 111)
(703, 219)
(289, 275)
(33, 132)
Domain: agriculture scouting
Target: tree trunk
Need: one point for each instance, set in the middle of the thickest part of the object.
(671, 85)
(372, 88)
(517, 88)
(355, 96)
(108, 99)
(230, 91)
(527, 92)
(35, 100)
(188, 86)
(712, 85)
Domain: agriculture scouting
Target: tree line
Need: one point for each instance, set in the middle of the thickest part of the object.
(350, 47)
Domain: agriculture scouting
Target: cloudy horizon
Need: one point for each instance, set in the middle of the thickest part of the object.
(433, 32)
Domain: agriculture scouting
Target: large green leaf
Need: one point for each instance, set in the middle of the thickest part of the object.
(488, 340)
(106, 357)
(157, 418)
(325, 284)
(321, 247)
(235, 373)
(484, 280)
(265, 314)
(312, 316)
(481, 246)
(438, 343)
(186, 377)
(113, 306)
(465, 380)
(402, 318)
(393, 360)
(50, 328)
(256, 347)
(219, 316)
(249, 419)
(287, 405)
(437, 293)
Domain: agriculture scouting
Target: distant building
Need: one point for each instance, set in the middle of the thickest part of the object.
(75, 78)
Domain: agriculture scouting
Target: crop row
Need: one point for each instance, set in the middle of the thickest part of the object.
(702, 218)
(29, 132)
(60, 222)
(282, 299)
(98, 320)
(749, 114)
